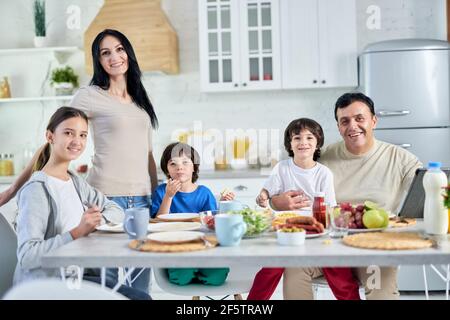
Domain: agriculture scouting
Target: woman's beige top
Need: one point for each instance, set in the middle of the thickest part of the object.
(122, 135)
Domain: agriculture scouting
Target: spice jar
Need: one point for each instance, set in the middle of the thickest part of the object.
(10, 165)
(3, 164)
(5, 91)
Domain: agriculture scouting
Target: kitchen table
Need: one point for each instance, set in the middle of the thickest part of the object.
(100, 250)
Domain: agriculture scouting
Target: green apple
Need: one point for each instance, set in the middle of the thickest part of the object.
(373, 219)
(385, 216)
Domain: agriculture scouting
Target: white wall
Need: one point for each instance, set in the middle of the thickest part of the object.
(177, 98)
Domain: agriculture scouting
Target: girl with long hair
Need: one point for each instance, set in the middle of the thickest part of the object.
(56, 206)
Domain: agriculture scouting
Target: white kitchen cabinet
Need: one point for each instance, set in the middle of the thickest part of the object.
(239, 45)
(318, 43)
(246, 190)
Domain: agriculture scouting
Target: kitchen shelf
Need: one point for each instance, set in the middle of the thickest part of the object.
(38, 50)
(32, 99)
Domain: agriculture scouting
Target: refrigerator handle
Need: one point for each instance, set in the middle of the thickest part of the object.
(385, 113)
(403, 145)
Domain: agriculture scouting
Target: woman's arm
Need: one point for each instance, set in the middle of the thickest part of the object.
(10, 193)
(152, 171)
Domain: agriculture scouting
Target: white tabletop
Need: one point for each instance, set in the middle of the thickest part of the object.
(111, 250)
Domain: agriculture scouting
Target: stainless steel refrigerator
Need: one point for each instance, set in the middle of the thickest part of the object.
(408, 80)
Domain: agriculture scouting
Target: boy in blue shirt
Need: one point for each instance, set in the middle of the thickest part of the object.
(180, 163)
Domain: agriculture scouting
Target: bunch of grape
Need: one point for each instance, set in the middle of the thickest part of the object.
(350, 215)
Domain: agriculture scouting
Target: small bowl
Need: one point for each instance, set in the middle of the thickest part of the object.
(291, 238)
(207, 219)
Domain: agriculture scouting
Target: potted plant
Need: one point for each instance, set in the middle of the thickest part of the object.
(64, 80)
(39, 23)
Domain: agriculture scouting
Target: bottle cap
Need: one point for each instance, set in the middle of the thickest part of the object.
(434, 165)
(319, 194)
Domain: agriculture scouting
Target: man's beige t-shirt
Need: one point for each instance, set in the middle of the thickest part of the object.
(122, 136)
(382, 175)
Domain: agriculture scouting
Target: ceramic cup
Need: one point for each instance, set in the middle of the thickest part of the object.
(229, 229)
(136, 222)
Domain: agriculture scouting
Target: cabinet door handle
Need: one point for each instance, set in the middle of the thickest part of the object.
(241, 188)
(386, 113)
(244, 84)
(324, 81)
(314, 81)
(236, 85)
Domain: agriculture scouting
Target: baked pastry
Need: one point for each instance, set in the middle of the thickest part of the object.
(388, 241)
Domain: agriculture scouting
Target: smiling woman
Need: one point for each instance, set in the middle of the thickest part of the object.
(122, 118)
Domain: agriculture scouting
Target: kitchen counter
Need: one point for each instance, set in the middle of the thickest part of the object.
(231, 174)
(204, 174)
(7, 179)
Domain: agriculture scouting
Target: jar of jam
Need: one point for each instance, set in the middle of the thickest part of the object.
(319, 208)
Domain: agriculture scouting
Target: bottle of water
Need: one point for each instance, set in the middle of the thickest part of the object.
(434, 213)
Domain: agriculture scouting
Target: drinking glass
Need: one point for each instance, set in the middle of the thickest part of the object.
(337, 222)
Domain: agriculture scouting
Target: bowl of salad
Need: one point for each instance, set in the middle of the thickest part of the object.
(257, 221)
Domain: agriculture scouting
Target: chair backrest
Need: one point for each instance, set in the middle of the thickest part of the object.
(8, 248)
(55, 289)
(239, 280)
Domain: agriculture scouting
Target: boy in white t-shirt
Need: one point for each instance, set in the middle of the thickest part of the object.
(303, 139)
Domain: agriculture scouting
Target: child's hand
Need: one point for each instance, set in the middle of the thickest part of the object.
(262, 199)
(172, 187)
(90, 219)
(227, 195)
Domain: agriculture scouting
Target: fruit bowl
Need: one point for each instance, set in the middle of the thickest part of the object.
(367, 216)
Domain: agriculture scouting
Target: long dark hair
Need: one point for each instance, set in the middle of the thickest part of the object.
(60, 115)
(134, 85)
(298, 125)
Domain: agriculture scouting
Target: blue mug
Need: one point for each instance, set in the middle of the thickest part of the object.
(225, 206)
(229, 229)
(136, 222)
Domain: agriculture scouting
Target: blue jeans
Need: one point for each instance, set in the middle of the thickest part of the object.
(142, 281)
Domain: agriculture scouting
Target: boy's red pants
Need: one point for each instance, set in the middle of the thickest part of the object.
(340, 280)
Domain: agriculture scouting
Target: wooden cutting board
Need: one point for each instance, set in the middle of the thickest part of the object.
(152, 246)
(156, 220)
